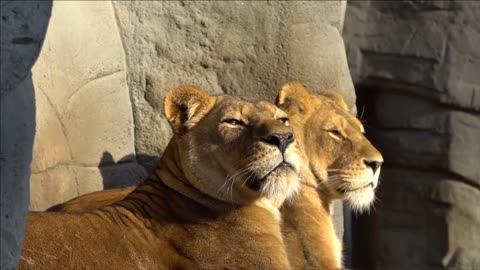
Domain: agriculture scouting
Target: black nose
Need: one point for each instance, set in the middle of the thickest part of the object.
(281, 140)
(374, 164)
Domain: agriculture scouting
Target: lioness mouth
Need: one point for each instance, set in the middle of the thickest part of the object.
(345, 190)
(255, 182)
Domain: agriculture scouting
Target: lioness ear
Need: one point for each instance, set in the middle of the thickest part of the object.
(335, 97)
(185, 106)
(292, 91)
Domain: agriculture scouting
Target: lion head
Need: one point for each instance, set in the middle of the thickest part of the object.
(232, 148)
(339, 156)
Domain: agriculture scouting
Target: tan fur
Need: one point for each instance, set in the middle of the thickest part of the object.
(210, 204)
(307, 222)
(93, 201)
(336, 150)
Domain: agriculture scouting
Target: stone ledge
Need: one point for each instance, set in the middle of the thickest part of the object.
(443, 140)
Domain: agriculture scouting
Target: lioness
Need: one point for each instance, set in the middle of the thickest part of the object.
(342, 164)
(210, 204)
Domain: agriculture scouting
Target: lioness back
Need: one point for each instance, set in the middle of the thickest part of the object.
(92, 201)
(211, 203)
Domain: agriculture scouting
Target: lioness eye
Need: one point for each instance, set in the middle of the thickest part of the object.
(336, 133)
(284, 120)
(233, 122)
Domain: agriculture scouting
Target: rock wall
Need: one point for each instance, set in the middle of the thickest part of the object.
(84, 115)
(23, 27)
(237, 48)
(415, 64)
(105, 67)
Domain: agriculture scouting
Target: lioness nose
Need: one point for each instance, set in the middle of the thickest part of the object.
(281, 140)
(374, 164)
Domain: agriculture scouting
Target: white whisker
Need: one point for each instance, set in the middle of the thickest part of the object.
(230, 181)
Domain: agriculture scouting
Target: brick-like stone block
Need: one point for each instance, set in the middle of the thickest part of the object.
(421, 133)
(53, 186)
(399, 110)
(424, 150)
(64, 182)
(463, 219)
(411, 229)
(426, 220)
(426, 49)
(83, 107)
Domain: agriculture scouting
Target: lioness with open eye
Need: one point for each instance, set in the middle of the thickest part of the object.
(342, 164)
(212, 202)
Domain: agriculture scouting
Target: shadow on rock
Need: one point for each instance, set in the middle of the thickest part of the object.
(127, 171)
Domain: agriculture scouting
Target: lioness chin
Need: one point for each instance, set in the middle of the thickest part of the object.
(210, 204)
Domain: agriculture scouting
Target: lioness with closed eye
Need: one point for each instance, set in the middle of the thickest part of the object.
(340, 163)
(211, 203)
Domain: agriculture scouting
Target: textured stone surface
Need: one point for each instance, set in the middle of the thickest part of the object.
(422, 226)
(427, 50)
(402, 110)
(456, 151)
(225, 47)
(64, 182)
(317, 59)
(417, 67)
(52, 186)
(411, 228)
(463, 223)
(22, 30)
(17, 110)
(82, 100)
(429, 135)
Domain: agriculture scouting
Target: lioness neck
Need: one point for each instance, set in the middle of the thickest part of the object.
(322, 194)
(168, 187)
